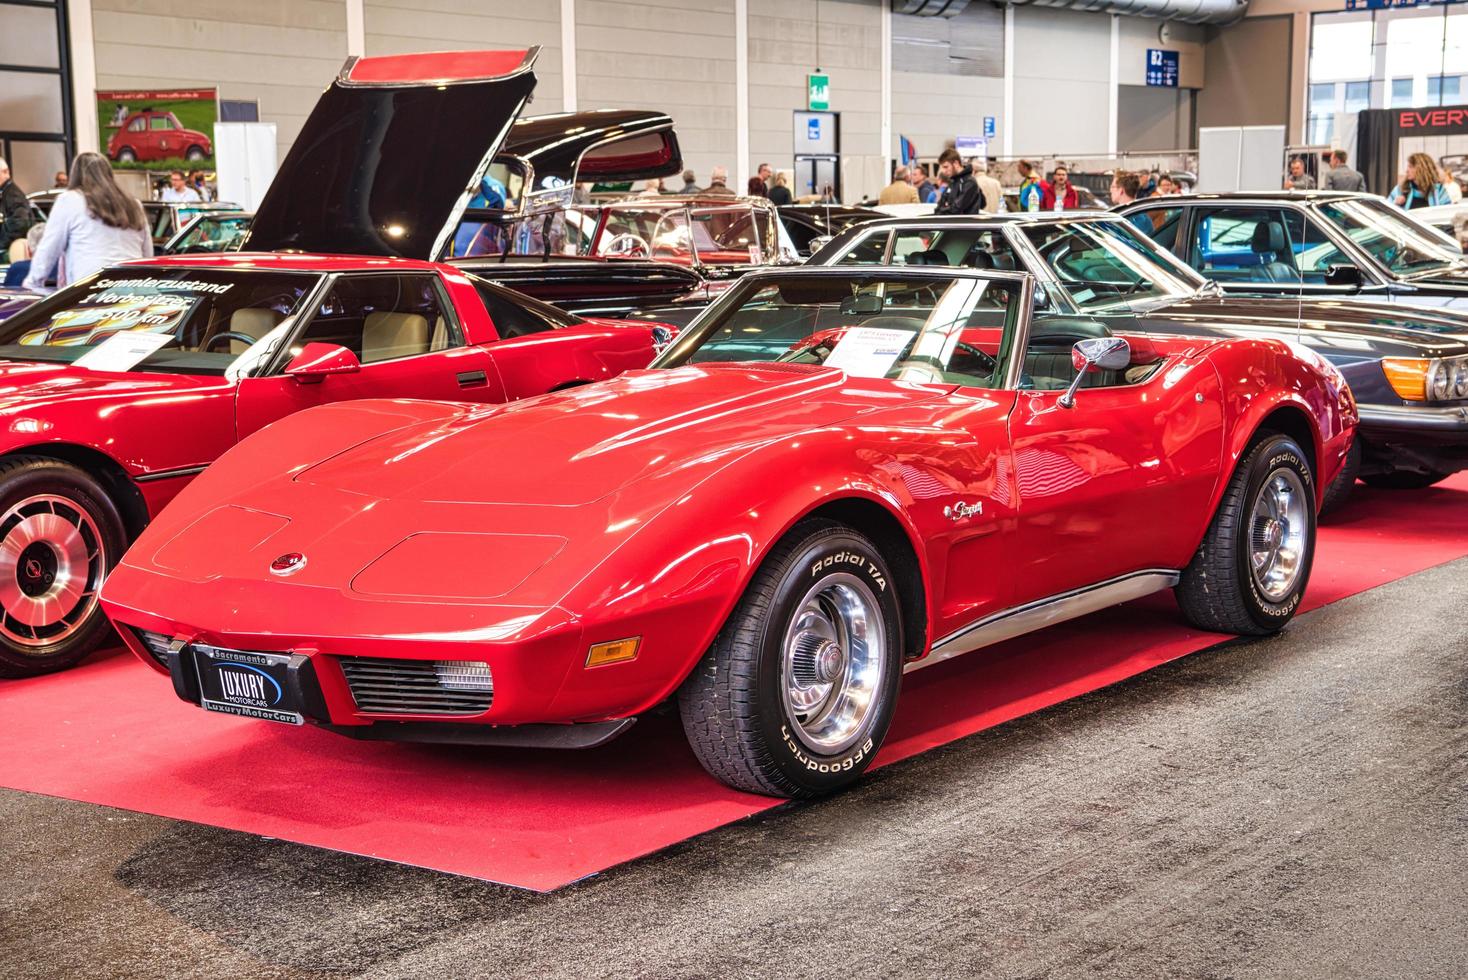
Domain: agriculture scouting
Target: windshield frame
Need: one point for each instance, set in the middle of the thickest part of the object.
(1118, 229)
(1016, 329)
(1378, 207)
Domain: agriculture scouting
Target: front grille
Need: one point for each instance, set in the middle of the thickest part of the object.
(417, 687)
(156, 644)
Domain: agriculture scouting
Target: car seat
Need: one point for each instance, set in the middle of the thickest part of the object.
(389, 335)
(1269, 243)
(930, 256)
(253, 322)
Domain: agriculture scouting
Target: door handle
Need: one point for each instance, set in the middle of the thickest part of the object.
(472, 379)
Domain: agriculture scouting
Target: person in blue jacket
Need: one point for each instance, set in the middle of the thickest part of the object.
(479, 237)
(1420, 187)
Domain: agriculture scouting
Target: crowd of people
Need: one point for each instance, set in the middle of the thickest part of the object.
(767, 183)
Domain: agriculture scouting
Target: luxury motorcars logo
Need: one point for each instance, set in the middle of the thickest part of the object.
(243, 684)
(288, 564)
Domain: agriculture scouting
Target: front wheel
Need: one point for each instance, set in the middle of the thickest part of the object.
(59, 536)
(797, 692)
(1250, 572)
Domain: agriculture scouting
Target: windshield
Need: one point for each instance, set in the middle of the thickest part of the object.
(192, 321)
(945, 329)
(1390, 237)
(212, 233)
(1106, 264)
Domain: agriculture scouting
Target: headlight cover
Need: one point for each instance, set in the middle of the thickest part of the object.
(1417, 379)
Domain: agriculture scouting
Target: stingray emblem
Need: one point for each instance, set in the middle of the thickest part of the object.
(32, 568)
(288, 564)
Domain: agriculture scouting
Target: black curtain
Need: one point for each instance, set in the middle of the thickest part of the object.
(1376, 148)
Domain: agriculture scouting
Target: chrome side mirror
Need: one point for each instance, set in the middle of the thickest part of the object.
(1095, 354)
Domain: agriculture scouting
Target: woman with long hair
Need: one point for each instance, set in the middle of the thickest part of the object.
(1420, 187)
(93, 224)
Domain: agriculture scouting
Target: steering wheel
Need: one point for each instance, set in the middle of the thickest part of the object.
(628, 246)
(243, 338)
(986, 362)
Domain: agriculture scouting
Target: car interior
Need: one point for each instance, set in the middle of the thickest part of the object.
(382, 317)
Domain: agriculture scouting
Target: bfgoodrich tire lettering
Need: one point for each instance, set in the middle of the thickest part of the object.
(764, 708)
(1222, 589)
(59, 535)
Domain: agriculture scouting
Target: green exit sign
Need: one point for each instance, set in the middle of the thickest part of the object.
(818, 93)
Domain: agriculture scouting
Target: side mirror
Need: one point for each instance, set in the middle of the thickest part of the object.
(1095, 354)
(1344, 275)
(317, 360)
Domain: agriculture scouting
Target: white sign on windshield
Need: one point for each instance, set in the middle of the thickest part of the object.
(868, 352)
(122, 351)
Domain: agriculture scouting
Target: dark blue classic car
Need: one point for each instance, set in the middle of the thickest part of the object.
(1317, 244)
(1408, 367)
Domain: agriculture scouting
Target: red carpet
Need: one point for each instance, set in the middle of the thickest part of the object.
(113, 733)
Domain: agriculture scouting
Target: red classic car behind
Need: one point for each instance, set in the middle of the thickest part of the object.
(117, 391)
(833, 475)
(157, 135)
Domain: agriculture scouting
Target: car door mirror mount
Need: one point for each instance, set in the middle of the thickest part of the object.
(1344, 275)
(317, 360)
(1095, 354)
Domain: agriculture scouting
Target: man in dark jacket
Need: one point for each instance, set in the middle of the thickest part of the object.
(962, 194)
(1341, 177)
(15, 210)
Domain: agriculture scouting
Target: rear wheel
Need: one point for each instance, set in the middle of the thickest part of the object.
(126, 155)
(1404, 480)
(1250, 572)
(795, 696)
(59, 536)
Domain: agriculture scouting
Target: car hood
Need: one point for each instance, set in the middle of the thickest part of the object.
(382, 164)
(574, 447)
(1379, 328)
(29, 386)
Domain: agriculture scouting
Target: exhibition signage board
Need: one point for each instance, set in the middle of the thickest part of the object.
(818, 93)
(990, 127)
(1162, 67)
(158, 128)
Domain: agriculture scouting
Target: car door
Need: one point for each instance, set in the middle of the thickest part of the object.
(405, 336)
(1099, 485)
(161, 137)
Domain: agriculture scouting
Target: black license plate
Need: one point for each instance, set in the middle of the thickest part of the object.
(251, 685)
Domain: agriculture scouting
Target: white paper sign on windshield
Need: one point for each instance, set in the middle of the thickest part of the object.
(122, 351)
(868, 352)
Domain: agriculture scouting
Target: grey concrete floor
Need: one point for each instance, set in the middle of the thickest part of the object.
(1291, 807)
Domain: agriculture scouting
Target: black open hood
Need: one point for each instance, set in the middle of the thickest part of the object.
(385, 161)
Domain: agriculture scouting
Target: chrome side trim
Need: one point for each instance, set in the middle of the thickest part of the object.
(170, 474)
(1036, 615)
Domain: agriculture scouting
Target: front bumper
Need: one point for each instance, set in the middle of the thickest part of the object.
(304, 692)
(1418, 438)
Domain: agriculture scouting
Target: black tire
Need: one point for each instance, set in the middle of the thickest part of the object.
(194, 153)
(1341, 487)
(735, 711)
(126, 155)
(1218, 590)
(1404, 480)
(75, 498)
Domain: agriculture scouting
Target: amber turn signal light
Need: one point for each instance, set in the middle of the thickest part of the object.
(615, 652)
(1407, 376)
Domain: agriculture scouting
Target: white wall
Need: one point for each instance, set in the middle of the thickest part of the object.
(280, 52)
(783, 50)
(673, 55)
(404, 26)
(1062, 82)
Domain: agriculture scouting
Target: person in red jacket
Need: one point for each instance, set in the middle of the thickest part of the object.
(1057, 194)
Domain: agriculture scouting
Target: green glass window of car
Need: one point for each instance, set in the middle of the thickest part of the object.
(939, 330)
(159, 123)
(1100, 268)
(1390, 237)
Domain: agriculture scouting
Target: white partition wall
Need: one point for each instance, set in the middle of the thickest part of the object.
(245, 161)
(1240, 158)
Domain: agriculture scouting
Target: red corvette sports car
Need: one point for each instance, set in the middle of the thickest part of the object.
(119, 389)
(833, 475)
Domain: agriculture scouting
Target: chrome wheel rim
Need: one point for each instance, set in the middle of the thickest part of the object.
(52, 560)
(833, 664)
(1278, 530)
